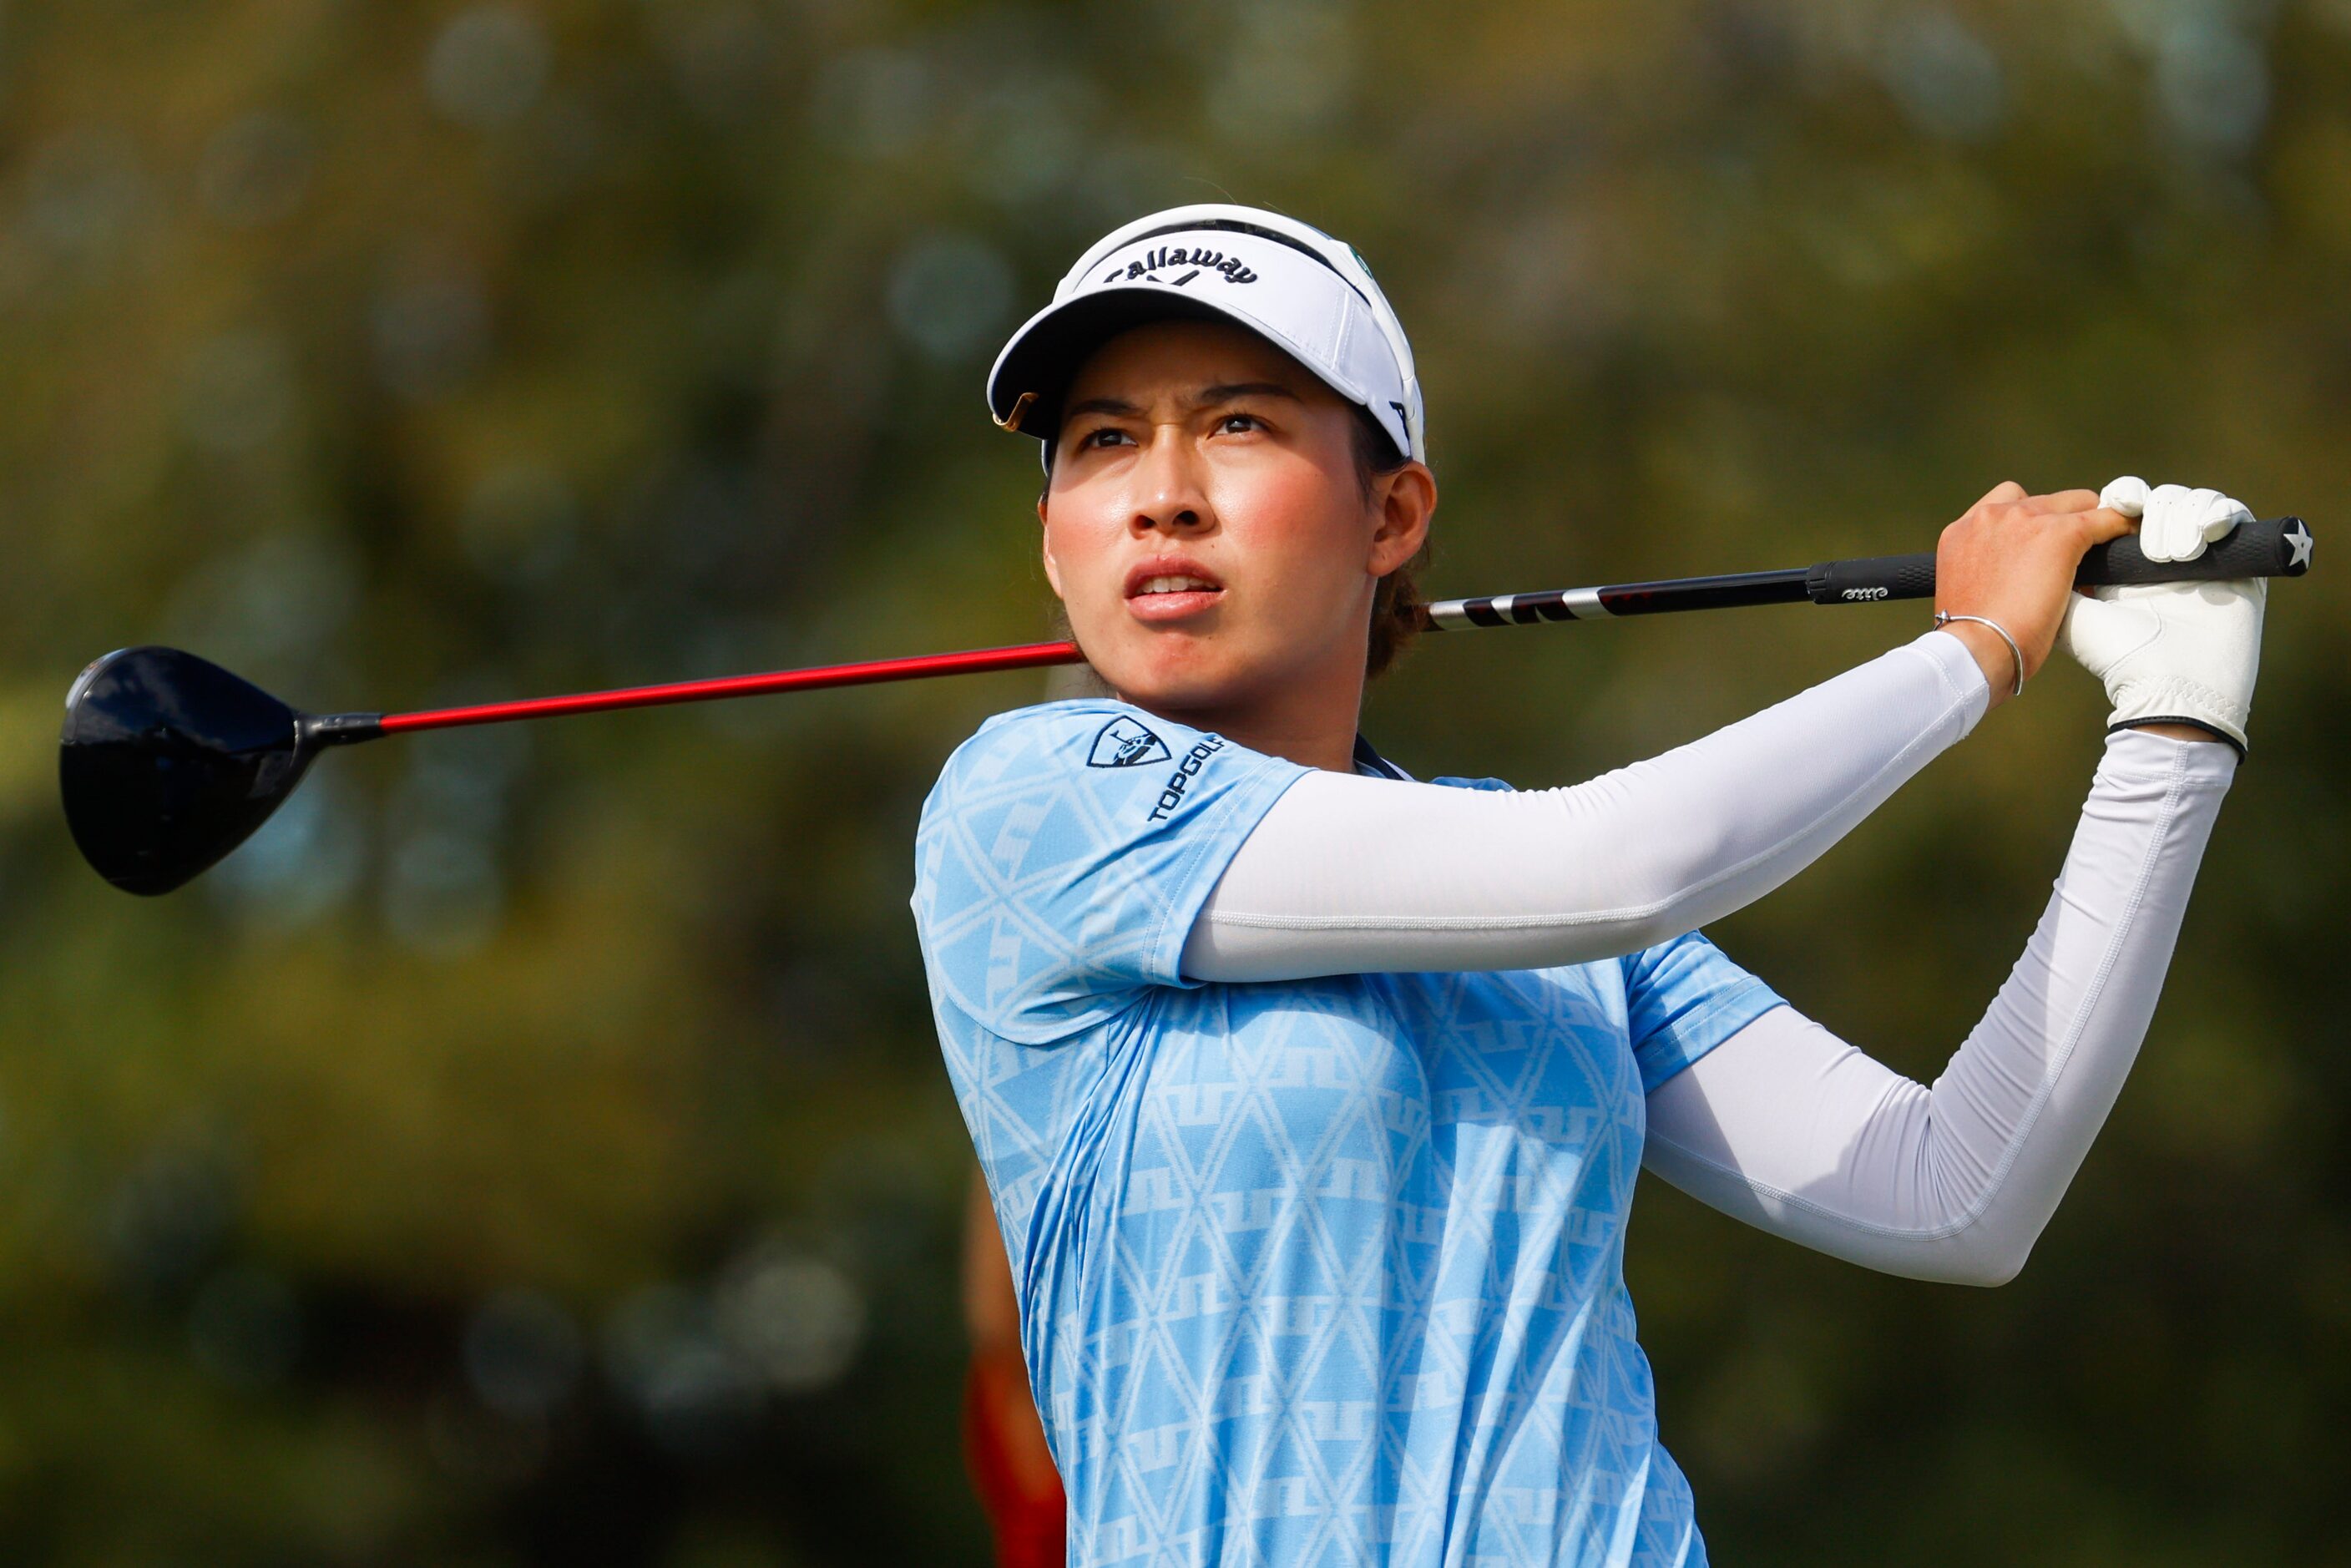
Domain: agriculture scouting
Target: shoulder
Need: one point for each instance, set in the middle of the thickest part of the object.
(1059, 740)
(1449, 782)
(1093, 775)
(1369, 761)
(1064, 853)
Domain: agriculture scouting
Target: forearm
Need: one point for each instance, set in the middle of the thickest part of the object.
(1792, 1130)
(1349, 875)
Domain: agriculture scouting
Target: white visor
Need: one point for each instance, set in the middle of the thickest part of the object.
(1306, 293)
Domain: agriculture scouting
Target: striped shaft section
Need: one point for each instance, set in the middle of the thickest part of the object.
(1517, 608)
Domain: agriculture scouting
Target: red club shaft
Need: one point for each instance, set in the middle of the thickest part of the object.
(1027, 656)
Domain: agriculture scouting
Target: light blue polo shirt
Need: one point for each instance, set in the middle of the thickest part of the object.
(1322, 1271)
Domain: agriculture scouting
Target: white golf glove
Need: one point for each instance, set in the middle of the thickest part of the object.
(2178, 652)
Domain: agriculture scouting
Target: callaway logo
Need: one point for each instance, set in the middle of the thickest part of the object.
(1868, 593)
(1198, 259)
(1123, 742)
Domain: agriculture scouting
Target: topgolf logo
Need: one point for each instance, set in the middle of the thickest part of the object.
(1185, 771)
(1123, 742)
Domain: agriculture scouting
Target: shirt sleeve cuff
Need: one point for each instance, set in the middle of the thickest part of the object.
(1237, 811)
(1674, 1046)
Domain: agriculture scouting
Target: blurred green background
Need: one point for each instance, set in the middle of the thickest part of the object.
(532, 1149)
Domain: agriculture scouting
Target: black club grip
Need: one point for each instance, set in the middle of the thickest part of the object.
(1871, 579)
(2275, 547)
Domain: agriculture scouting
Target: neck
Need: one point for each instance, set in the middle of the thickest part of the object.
(1310, 722)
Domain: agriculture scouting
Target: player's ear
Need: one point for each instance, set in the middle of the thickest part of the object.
(1404, 502)
(1045, 546)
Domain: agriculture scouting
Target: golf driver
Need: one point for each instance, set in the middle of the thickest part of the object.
(168, 761)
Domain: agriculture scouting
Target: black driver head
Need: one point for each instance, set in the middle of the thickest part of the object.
(168, 762)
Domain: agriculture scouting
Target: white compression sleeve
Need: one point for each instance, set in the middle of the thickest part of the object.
(1789, 1128)
(1353, 875)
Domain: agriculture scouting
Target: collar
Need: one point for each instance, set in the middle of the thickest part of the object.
(1372, 762)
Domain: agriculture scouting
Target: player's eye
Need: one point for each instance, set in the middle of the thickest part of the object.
(1107, 435)
(1238, 423)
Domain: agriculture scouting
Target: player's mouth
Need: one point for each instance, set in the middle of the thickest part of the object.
(1161, 590)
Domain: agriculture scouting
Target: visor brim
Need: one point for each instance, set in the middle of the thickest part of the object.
(1046, 355)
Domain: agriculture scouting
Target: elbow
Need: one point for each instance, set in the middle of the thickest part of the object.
(1990, 1272)
(1656, 849)
(1689, 862)
(1662, 903)
(1986, 1231)
(1971, 1258)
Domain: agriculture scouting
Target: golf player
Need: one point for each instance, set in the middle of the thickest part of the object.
(1310, 1098)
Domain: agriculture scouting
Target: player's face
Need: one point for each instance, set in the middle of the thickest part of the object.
(1206, 526)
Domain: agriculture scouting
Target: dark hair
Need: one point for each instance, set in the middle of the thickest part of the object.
(1396, 602)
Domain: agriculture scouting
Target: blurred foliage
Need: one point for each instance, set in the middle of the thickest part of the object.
(532, 1149)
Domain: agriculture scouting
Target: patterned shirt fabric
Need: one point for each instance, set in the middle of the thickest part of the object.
(1325, 1271)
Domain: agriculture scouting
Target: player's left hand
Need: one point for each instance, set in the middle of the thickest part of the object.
(2176, 522)
(2173, 652)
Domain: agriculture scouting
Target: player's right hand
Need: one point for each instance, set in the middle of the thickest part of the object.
(2011, 558)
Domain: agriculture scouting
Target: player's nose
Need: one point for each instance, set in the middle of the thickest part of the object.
(1168, 494)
